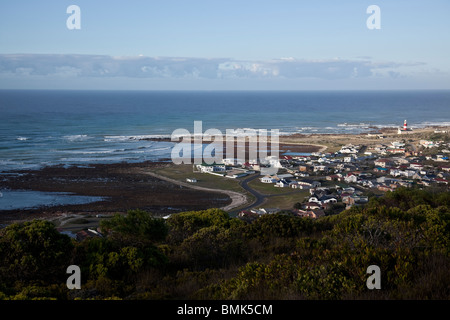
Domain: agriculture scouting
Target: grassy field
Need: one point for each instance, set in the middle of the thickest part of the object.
(182, 172)
(285, 202)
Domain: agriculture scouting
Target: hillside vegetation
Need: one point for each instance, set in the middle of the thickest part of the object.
(208, 255)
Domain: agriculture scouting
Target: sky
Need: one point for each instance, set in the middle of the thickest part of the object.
(225, 45)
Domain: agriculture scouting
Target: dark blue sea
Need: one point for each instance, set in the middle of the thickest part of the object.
(41, 128)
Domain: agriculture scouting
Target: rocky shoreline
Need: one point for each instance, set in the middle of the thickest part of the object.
(124, 186)
(121, 185)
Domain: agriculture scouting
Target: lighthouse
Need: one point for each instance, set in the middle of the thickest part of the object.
(405, 128)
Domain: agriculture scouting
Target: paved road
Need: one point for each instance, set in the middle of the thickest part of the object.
(259, 198)
(237, 199)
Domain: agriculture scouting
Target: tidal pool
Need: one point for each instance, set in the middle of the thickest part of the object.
(27, 199)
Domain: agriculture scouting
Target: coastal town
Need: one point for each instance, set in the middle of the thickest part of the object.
(349, 176)
(316, 176)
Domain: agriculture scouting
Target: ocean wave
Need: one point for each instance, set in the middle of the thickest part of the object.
(76, 137)
(356, 125)
(160, 149)
(135, 138)
(432, 124)
(22, 138)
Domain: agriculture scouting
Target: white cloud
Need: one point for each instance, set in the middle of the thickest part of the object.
(103, 66)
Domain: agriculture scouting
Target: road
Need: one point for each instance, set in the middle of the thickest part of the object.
(259, 198)
(237, 199)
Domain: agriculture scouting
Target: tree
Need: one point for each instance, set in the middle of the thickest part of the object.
(212, 247)
(137, 226)
(297, 205)
(185, 224)
(33, 251)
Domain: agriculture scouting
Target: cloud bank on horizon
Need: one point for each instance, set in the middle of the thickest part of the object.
(105, 66)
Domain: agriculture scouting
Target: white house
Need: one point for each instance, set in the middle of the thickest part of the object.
(349, 149)
(282, 184)
(262, 211)
(320, 168)
(211, 167)
(268, 179)
(416, 166)
(329, 200)
(351, 178)
(309, 183)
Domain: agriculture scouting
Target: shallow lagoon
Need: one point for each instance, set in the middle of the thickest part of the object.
(27, 199)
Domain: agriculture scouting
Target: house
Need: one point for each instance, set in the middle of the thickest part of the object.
(348, 159)
(328, 200)
(381, 170)
(384, 163)
(441, 181)
(349, 149)
(314, 199)
(395, 172)
(368, 183)
(262, 211)
(312, 205)
(385, 188)
(309, 184)
(351, 178)
(346, 167)
(428, 144)
(313, 213)
(354, 199)
(208, 168)
(236, 174)
(268, 179)
(282, 183)
(350, 190)
(252, 166)
(395, 150)
(296, 185)
(304, 168)
(320, 168)
(416, 166)
(334, 177)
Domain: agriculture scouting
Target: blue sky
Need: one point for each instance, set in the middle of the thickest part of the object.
(212, 44)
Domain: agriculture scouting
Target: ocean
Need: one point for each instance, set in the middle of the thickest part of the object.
(42, 128)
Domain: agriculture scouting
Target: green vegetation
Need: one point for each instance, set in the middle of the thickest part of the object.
(208, 255)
